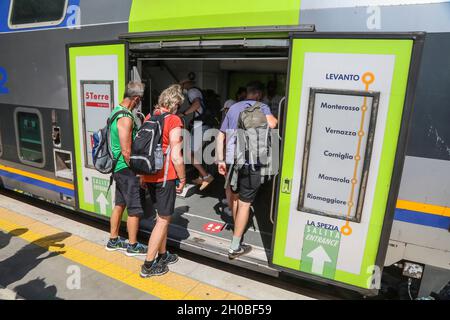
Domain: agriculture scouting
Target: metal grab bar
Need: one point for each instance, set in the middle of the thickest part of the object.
(279, 166)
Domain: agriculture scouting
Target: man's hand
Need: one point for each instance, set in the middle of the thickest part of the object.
(181, 185)
(222, 167)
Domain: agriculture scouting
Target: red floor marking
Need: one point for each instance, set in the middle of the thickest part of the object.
(213, 227)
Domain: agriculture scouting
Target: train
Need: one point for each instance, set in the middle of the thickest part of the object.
(64, 65)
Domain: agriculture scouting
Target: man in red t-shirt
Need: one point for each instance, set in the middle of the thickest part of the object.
(164, 197)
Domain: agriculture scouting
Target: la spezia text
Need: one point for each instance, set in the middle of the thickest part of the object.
(225, 310)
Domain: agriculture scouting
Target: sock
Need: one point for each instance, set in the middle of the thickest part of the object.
(235, 243)
(162, 256)
(114, 240)
(148, 264)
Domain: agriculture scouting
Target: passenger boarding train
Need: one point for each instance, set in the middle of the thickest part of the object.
(53, 51)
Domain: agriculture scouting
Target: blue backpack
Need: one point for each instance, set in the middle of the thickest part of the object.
(103, 158)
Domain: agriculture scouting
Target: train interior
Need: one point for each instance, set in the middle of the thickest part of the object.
(201, 217)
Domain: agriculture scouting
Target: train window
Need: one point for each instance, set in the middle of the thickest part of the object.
(29, 135)
(36, 13)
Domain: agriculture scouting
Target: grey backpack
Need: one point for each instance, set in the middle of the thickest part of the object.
(253, 137)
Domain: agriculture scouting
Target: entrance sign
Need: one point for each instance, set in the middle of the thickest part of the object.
(102, 197)
(338, 147)
(97, 104)
(342, 155)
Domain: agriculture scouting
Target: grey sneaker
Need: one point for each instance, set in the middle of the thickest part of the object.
(243, 249)
(157, 269)
(171, 258)
(137, 249)
(119, 244)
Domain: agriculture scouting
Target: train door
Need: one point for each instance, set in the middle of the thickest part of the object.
(97, 83)
(348, 110)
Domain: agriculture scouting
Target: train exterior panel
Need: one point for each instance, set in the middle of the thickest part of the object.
(34, 83)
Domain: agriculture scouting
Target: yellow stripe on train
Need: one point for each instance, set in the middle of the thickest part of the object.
(422, 207)
(38, 177)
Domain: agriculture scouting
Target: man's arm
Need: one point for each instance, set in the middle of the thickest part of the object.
(196, 104)
(176, 146)
(272, 121)
(220, 142)
(125, 128)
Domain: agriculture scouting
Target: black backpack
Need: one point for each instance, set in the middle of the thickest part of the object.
(147, 156)
(211, 108)
(103, 158)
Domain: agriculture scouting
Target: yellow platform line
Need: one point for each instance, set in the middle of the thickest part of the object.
(423, 207)
(38, 177)
(171, 286)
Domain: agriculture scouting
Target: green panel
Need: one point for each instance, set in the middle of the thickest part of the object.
(402, 49)
(74, 52)
(159, 15)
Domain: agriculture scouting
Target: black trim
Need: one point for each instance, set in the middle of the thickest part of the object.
(219, 31)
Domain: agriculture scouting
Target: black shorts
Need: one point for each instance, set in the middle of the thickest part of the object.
(163, 199)
(249, 182)
(128, 192)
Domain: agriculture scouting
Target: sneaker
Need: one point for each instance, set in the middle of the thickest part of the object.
(137, 249)
(157, 269)
(119, 244)
(171, 258)
(243, 249)
(206, 182)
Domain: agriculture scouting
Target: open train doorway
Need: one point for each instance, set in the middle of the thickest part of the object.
(202, 219)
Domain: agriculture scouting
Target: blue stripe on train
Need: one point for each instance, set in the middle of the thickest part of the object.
(425, 219)
(37, 183)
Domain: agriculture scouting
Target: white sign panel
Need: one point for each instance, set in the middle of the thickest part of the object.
(337, 71)
(339, 124)
(97, 105)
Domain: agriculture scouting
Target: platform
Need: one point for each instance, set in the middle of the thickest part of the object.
(44, 255)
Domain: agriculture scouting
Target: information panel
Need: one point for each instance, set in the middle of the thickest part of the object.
(341, 156)
(97, 104)
(338, 147)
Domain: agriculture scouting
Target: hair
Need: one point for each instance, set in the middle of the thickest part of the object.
(255, 87)
(171, 97)
(241, 90)
(134, 89)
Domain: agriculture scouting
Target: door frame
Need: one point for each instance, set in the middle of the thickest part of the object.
(69, 86)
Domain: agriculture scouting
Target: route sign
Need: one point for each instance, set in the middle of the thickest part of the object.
(102, 198)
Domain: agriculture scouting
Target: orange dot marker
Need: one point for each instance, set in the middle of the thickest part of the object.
(346, 230)
(368, 78)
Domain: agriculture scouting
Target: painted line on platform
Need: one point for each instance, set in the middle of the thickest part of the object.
(171, 286)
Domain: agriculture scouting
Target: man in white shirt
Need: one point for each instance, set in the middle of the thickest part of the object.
(196, 106)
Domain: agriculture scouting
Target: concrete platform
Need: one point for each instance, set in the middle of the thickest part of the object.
(48, 256)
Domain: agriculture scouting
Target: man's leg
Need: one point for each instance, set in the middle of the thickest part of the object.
(116, 218)
(159, 234)
(133, 228)
(240, 223)
(233, 200)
